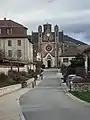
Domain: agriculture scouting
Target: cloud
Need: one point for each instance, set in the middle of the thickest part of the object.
(73, 16)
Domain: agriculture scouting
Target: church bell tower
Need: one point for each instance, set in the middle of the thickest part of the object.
(39, 54)
(56, 30)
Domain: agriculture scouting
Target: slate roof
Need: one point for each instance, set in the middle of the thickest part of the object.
(83, 48)
(29, 38)
(86, 50)
(9, 23)
(71, 52)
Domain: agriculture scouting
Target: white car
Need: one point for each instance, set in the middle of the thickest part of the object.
(70, 78)
(77, 79)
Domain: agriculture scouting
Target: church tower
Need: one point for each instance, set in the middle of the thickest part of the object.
(56, 30)
(39, 53)
(49, 45)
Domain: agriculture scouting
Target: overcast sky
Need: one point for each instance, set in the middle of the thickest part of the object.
(73, 16)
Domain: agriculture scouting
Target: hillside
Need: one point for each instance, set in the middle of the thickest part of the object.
(67, 38)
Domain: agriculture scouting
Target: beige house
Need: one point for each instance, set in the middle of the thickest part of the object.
(66, 57)
(14, 41)
(86, 53)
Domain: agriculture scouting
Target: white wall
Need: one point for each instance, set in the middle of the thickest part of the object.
(86, 63)
(66, 63)
(9, 89)
(30, 51)
(5, 69)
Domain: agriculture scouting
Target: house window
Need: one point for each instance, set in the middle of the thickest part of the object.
(73, 58)
(9, 43)
(19, 42)
(65, 60)
(0, 31)
(19, 53)
(9, 53)
(9, 31)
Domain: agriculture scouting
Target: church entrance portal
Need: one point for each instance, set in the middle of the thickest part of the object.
(49, 63)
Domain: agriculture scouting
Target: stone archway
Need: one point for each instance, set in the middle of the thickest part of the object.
(49, 63)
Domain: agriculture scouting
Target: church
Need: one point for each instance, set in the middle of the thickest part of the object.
(48, 45)
(52, 47)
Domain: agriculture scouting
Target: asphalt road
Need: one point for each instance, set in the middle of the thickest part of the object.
(49, 102)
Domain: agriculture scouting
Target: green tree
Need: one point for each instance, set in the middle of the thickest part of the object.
(78, 61)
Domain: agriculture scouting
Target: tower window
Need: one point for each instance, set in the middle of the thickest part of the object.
(40, 34)
(0, 31)
(56, 34)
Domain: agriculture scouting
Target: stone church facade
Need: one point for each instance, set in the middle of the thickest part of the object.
(48, 45)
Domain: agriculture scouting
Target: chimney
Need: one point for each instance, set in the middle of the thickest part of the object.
(4, 18)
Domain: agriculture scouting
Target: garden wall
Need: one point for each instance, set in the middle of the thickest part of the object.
(12, 88)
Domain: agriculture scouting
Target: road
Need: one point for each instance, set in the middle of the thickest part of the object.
(48, 101)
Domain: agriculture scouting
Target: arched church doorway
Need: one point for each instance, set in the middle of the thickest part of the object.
(49, 63)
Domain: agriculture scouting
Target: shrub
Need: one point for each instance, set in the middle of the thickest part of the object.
(19, 77)
(23, 73)
(5, 80)
(63, 68)
(31, 72)
(3, 77)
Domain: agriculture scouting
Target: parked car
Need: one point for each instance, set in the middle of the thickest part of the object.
(77, 79)
(70, 79)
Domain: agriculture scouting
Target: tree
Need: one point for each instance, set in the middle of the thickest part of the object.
(78, 61)
(2, 54)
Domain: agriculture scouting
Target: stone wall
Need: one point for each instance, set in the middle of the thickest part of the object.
(12, 88)
(9, 89)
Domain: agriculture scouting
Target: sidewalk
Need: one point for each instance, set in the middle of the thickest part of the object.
(9, 107)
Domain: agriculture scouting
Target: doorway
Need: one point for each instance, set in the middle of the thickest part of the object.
(49, 63)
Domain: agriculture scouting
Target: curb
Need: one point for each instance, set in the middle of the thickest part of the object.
(27, 91)
(75, 98)
(18, 102)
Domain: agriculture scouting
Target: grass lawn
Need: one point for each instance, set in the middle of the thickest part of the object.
(82, 95)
